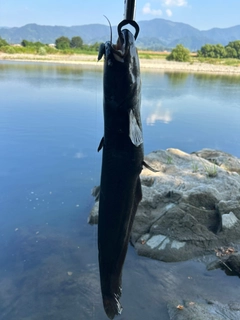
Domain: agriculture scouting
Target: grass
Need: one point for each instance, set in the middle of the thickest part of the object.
(169, 160)
(195, 167)
(211, 170)
(215, 61)
(49, 50)
(152, 54)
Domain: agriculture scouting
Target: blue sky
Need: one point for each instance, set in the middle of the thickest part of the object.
(201, 14)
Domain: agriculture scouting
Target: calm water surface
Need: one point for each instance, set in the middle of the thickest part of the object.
(50, 127)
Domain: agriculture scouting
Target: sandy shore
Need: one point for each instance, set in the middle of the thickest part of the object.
(146, 64)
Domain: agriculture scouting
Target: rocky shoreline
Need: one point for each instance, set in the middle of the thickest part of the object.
(190, 208)
(153, 65)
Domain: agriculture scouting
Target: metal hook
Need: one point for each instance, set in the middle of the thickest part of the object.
(132, 23)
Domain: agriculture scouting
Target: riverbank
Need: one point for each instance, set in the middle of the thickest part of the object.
(146, 64)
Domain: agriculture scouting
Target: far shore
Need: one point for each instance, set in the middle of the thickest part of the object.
(146, 64)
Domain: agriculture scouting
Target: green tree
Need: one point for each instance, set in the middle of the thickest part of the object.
(76, 42)
(3, 42)
(231, 52)
(180, 53)
(207, 51)
(26, 43)
(219, 51)
(236, 46)
(38, 44)
(95, 46)
(62, 43)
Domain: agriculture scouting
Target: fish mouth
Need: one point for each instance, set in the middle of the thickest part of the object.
(125, 40)
(121, 48)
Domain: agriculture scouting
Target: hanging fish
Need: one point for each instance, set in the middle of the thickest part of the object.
(122, 161)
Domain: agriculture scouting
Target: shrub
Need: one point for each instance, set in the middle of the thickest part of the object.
(42, 51)
(50, 50)
(9, 49)
(180, 53)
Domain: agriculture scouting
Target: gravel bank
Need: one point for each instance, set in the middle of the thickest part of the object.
(157, 64)
(146, 64)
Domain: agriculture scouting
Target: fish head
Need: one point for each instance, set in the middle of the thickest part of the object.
(124, 48)
(125, 44)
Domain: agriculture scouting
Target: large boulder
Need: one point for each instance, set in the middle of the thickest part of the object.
(189, 208)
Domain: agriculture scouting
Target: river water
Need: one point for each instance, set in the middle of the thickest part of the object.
(50, 126)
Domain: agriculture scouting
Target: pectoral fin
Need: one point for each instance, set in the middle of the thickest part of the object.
(100, 144)
(135, 133)
(101, 51)
(149, 167)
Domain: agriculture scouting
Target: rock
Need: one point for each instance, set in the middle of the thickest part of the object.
(221, 159)
(229, 220)
(233, 263)
(230, 263)
(189, 208)
(206, 310)
(225, 207)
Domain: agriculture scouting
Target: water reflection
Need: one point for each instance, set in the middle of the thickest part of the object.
(220, 78)
(42, 74)
(173, 84)
(156, 112)
(177, 78)
(49, 68)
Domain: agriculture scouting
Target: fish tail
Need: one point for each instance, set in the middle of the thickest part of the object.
(112, 306)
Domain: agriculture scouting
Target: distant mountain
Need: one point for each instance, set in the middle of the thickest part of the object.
(48, 34)
(156, 34)
(223, 35)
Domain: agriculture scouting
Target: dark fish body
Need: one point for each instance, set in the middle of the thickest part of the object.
(122, 160)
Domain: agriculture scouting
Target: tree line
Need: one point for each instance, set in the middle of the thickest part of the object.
(62, 43)
(231, 50)
(75, 44)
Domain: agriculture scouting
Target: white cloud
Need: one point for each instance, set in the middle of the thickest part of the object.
(174, 3)
(157, 112)
(169, 12)
(148, 10)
